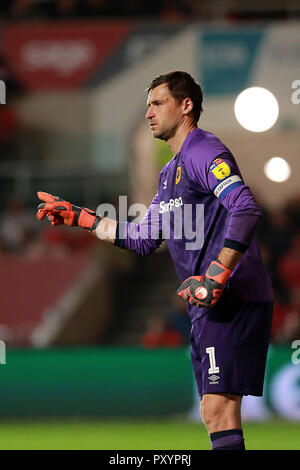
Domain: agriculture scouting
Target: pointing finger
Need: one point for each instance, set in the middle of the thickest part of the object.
(46, 197)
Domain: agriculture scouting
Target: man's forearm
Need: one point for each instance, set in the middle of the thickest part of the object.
(229, 257)
(106, 230)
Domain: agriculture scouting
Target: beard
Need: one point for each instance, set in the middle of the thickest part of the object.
(166, 134)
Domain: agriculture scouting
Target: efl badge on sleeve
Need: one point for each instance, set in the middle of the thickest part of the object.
(220, 169)
(178, 174)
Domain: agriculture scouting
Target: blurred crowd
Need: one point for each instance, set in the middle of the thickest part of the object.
(165, 9)
(279, 235)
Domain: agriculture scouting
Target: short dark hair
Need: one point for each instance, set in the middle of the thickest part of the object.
(181, 86)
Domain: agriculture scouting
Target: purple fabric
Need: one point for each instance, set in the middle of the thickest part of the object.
(239, 202)
(187, 185)
(240, 335)
(234, 440)
(145, 237)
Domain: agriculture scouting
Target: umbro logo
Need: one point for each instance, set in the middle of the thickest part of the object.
(213, 379)
(165, 184)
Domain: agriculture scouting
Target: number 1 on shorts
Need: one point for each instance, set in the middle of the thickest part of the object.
(212, 361)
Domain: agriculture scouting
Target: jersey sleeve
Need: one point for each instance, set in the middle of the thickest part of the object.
(222, 177)
(144, 237)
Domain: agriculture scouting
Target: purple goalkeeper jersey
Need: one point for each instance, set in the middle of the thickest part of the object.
(203, 204)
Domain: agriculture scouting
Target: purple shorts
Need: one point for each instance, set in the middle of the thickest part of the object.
(229, 348)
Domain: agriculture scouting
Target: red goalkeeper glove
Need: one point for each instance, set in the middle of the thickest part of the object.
(205, 291)
(59, 212)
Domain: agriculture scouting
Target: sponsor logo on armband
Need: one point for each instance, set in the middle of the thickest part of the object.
(227, 185)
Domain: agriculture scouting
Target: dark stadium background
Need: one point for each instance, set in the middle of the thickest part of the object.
(94, 354)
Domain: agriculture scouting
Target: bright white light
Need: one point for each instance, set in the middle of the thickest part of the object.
(277, 169)
(256, 109)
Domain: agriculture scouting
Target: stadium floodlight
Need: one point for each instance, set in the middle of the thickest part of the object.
(277, 169)
(256, 109)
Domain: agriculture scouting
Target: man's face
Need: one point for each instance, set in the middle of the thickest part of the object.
(164, 112)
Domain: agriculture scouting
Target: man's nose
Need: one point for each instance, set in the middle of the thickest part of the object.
(149, 113)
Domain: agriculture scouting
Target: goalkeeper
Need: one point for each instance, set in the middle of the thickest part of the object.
(208, 216)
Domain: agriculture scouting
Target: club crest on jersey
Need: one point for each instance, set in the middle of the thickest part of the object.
(178, 175)
(219, 168)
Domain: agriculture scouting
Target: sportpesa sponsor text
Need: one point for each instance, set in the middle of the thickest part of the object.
(168, 206)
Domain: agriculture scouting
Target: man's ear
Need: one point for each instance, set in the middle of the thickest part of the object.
(187, 105)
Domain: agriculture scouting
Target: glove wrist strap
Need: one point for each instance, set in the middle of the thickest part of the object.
(95, 224)
(217, 272)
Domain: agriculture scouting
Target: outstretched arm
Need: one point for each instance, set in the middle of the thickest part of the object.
(58, 211)
(143, 238)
